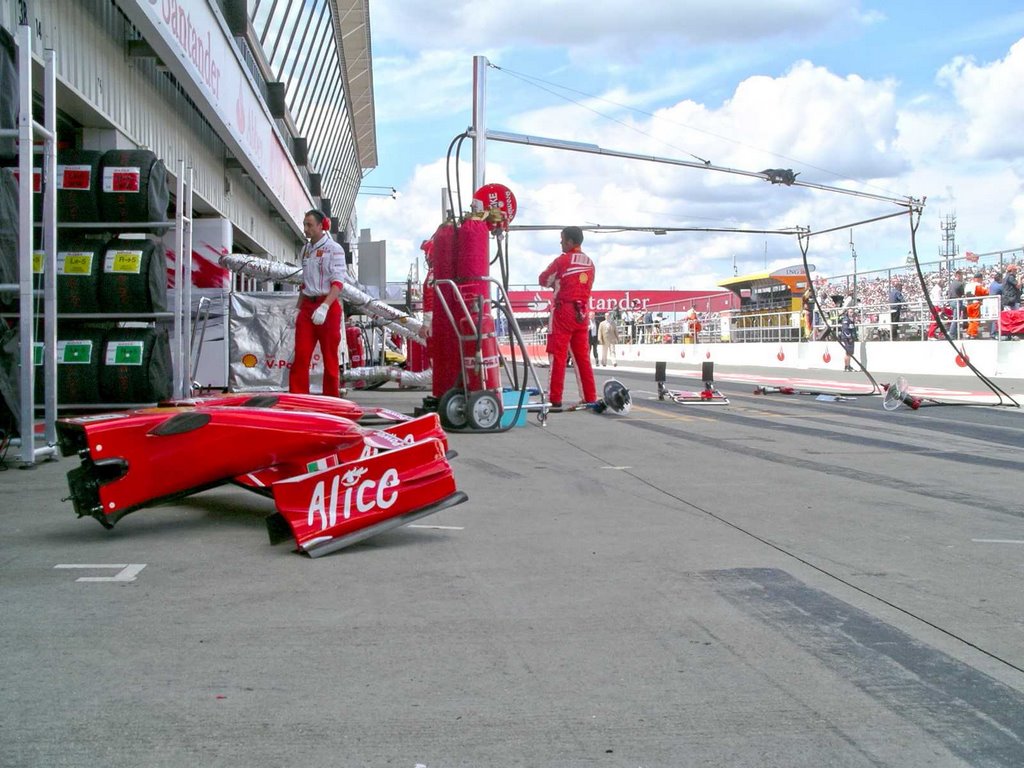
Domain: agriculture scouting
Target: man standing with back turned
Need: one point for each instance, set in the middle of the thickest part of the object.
(571, 275)
(320, 313)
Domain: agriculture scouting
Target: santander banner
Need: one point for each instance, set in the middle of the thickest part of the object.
(539, 301)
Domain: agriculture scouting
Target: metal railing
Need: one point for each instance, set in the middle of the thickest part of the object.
(874, 322)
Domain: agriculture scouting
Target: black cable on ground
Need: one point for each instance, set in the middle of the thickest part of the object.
(804, 561)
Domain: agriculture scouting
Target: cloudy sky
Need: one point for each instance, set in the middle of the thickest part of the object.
(894, 99)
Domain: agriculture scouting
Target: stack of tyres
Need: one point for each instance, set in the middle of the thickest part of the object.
(79, 265)
(136, 366)
(79, 357)
(78, 186)
(134, 277)
(133, 187)
(8, 230)
(8, 94)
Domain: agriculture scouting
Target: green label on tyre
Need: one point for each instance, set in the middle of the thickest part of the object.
(124, 352)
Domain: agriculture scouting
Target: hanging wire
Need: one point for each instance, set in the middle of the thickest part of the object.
(1002, 397)
(804, 241)
(456, 146)
(536, 83)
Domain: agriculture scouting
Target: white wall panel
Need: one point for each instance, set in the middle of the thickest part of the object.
(136, 97)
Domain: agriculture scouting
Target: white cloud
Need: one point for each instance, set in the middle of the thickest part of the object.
(409, 99)
(989, 98)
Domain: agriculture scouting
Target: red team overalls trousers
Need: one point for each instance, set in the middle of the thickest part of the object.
(567, 333)
(307, 336)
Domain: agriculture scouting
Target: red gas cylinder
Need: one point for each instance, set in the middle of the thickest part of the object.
(417, 356)
(416, 359)
(471, 252)
(356, 351)
(356, 348)
(479, 360)
(443, 345)
(472, 266)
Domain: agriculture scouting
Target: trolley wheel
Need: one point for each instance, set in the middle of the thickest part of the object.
(452, 409)
(484, 410)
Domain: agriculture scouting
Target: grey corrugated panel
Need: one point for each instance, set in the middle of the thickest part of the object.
(141, 101)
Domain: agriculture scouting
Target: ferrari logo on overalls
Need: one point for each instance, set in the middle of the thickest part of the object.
(584, 278)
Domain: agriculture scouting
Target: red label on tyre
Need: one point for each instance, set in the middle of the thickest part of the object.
(121, 179)
(74, 177)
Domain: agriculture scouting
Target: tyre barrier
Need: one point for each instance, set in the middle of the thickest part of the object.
(79, 265)
(133, 277)
(136, 366)
(133, 186)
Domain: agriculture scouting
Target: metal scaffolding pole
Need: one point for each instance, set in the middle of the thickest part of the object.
(479, 127)
(27, 132)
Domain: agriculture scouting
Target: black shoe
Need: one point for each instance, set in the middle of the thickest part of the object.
(555, 408)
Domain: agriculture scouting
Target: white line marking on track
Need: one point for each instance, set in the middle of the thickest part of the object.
(998, 541)
(616, 467)
(127, 572)
(437, 527)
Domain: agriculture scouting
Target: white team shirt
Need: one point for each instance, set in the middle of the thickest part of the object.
(323, 263)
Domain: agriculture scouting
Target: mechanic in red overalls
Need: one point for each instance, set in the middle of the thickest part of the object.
(571, 275)
(320, 312)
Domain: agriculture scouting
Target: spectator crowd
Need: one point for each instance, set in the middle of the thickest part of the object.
(892, 305)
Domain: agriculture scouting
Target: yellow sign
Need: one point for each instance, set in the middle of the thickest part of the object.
(125, 262)
(74, 263)
(37, 262)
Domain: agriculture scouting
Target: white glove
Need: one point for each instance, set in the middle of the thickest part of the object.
(320, 314)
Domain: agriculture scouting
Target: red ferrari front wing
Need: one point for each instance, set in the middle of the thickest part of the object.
(337, 507)
(141, 458)
(284, 401)
(374, 441)
(287, 401)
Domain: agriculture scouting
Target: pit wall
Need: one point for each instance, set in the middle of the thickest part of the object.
(992, 358)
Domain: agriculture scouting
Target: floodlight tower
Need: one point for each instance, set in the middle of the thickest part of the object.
(949, 248)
